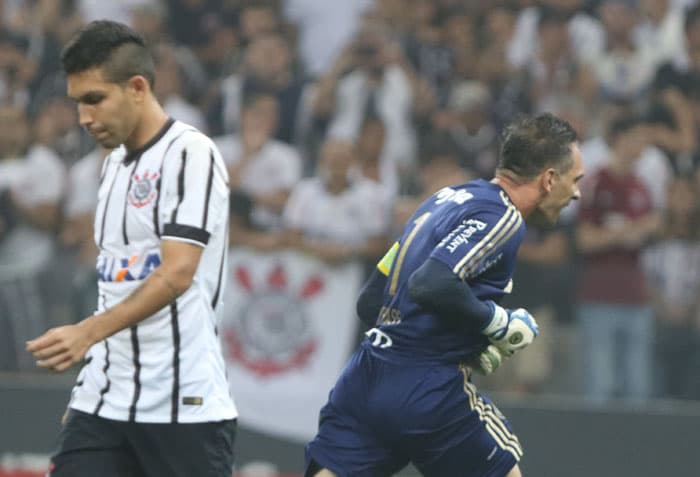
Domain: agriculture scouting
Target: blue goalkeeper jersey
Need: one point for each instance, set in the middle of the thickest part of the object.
(475, 230)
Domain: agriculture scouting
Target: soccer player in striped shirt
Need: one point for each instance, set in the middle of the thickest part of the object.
(406, 394)
(152, 399)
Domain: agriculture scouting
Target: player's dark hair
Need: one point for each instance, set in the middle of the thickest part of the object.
(119, 51)
(532, 144)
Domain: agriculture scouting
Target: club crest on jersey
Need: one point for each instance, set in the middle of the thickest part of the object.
(143, 188)
(271, 333)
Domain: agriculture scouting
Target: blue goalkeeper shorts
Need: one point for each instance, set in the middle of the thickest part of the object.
(380, 416)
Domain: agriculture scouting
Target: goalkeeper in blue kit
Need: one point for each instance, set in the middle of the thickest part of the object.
(406, 394)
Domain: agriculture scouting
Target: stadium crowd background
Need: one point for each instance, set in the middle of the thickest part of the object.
(370, 106)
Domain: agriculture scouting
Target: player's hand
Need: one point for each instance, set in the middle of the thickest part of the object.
(489, 360)
(511, 330)
(60, 348)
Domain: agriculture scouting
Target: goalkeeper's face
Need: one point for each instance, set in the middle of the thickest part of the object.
(560, 188)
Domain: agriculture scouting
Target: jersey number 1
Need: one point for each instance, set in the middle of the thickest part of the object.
(417, 224)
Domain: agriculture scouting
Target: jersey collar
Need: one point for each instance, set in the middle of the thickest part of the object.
(131, 156)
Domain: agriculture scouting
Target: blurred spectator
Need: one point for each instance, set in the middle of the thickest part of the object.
(374, 163)
(623, 69)
(258, 18)
(373, 78)
(672, 266)
(466, 124)
(338, 216)
(554, 71)
(676, 96)
(31, 182)
(77, 232)
(585, 32)
(192, 21)
(661, 30)
(169, 88)
(652, 166)
(56, 127)
(268, 67)
(617, 219)
(17, 69)
(460, 37)
(260, 166)
(325, 28)
(427, 49)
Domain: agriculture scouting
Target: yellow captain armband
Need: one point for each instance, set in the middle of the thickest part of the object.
(387, 260)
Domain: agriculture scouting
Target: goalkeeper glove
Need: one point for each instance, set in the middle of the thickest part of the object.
(510, 330)
(489, 360)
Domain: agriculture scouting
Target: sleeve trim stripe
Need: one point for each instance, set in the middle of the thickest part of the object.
(488, 241)
(186, 232)
(480, 258)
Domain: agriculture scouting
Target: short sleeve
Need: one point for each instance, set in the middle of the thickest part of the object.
(195, 192)
(477, 241)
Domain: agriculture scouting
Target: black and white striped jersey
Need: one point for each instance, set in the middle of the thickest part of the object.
(169, 367)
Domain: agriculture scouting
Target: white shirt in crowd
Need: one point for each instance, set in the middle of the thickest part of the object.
(586, 34)
(359, 213)
(83, 182)
(169, 367)
(324, 29)
(276, 167)
(394, 103)
(36, 179)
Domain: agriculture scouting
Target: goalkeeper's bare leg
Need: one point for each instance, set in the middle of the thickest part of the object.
(514, 472)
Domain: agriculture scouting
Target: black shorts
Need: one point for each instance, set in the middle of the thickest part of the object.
(91, 446)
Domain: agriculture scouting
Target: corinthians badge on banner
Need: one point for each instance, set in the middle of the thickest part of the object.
(271, 334)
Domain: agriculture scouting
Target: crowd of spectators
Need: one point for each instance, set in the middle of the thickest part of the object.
(336, 118)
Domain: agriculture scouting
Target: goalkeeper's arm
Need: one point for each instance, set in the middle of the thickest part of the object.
(436, 288)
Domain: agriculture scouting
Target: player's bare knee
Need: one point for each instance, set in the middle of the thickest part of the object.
(515, 472)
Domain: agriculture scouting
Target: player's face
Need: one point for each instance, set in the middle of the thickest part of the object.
(105, 109)
(564, 187)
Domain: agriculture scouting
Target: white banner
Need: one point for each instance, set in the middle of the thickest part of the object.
(289, 327)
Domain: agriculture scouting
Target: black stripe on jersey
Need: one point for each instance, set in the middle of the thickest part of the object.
(210, 180)
(215, 300)
(104, 212)
(156, 207)
(186, 232)
(105, 389)
(103, 169)
(180, 185)
(126, 200)
(175, 324)
(156, 225)
(137, 372)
